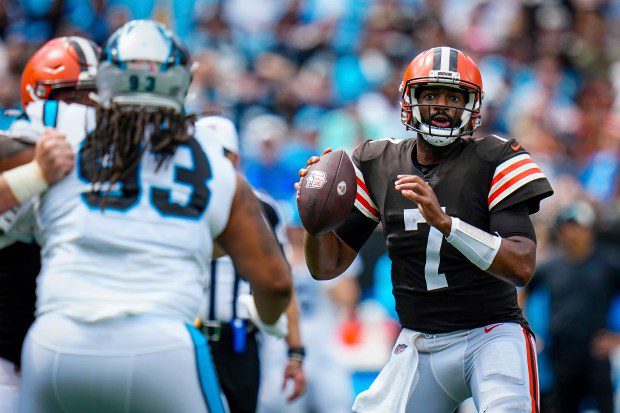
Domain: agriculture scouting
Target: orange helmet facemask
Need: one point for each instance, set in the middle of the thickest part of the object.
(64, 62)
(443, 67)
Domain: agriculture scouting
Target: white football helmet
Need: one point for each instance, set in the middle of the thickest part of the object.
(144, 64)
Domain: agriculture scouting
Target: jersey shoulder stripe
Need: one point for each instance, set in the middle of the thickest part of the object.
(511, 175)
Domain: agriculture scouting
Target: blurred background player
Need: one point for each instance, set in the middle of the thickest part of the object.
(126, 239)
(323, 306)
(582, 280)
(231, 334)
(456, 300)
(61, 70)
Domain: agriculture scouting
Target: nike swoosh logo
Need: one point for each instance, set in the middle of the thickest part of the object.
(488, 330)
(515, 148)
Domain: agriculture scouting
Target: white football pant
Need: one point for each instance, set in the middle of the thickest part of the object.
(9, 387)
(133, 364)
(434, 373)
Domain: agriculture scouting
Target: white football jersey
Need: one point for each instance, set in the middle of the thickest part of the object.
(147, 251)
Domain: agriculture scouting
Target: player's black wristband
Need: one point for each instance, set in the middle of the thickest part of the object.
(297, 353)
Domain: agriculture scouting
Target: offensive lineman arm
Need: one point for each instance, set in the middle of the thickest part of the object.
(14, 153)
(256, 254)
(53, 160)
(327, 256)
(513, 262)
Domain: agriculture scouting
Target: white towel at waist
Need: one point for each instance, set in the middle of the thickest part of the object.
(390, 391)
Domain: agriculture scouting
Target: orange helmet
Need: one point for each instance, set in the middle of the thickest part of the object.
(64, 62)
(446, 67)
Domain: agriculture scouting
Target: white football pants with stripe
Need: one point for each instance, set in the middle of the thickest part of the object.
(434, 373)
(134, 364)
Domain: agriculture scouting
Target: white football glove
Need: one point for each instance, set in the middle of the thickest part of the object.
(278, 329)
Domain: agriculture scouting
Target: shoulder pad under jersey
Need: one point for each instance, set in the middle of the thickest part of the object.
(371, 149)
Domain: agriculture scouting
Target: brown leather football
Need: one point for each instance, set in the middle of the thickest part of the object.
(327, 192)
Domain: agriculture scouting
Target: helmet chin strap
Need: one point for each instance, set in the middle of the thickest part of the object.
(438, 140)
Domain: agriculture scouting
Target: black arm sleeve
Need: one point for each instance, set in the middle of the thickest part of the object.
(513, 221)
(356, 229)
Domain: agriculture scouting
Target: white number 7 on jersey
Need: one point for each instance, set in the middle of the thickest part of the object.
(434, 280)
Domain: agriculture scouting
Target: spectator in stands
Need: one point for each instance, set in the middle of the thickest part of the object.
(581, 279)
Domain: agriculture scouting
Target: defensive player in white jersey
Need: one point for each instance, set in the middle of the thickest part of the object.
(62, 69)
(126, 239)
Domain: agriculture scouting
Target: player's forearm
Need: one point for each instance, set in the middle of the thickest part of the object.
(515, 261)
(510, 259)
(255, 252)
(270, 302)
(326, 255)
(293, 340)
(13, 154)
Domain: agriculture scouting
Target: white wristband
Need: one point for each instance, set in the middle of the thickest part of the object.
(278, 329)
(26, 181)
(478, 246)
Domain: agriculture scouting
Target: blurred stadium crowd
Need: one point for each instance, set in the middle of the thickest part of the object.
(299, 76)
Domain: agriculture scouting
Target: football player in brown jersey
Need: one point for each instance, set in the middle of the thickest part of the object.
(455, 216)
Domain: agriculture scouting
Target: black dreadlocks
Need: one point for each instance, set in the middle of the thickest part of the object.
(124, 133)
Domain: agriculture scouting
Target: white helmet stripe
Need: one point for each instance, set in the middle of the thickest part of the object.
(445, 59)
(87, 49)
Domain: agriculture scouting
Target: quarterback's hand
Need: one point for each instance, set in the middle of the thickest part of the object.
(304, 171)
(294, 372)
(417, 190)
(278, 329)
(54, 155)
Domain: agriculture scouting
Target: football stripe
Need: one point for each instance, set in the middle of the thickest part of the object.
(509, 162)
(89, 52)
(359, 204)
(365, 198)
(361, 185)
(510, 173)
(499, 174)
(445, 59)
(515, 183)
(535, 370)
(454, 57)
(363, 194)
(367, 204)
(437, 58)
(363, 202)
(528, 176)
(530, 353)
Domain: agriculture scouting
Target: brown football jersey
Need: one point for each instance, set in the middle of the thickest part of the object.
(436, 288)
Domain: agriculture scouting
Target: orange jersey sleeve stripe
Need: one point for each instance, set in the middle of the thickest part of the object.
(500, 174)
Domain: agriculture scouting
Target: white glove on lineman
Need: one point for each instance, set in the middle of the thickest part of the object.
(278, 329)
